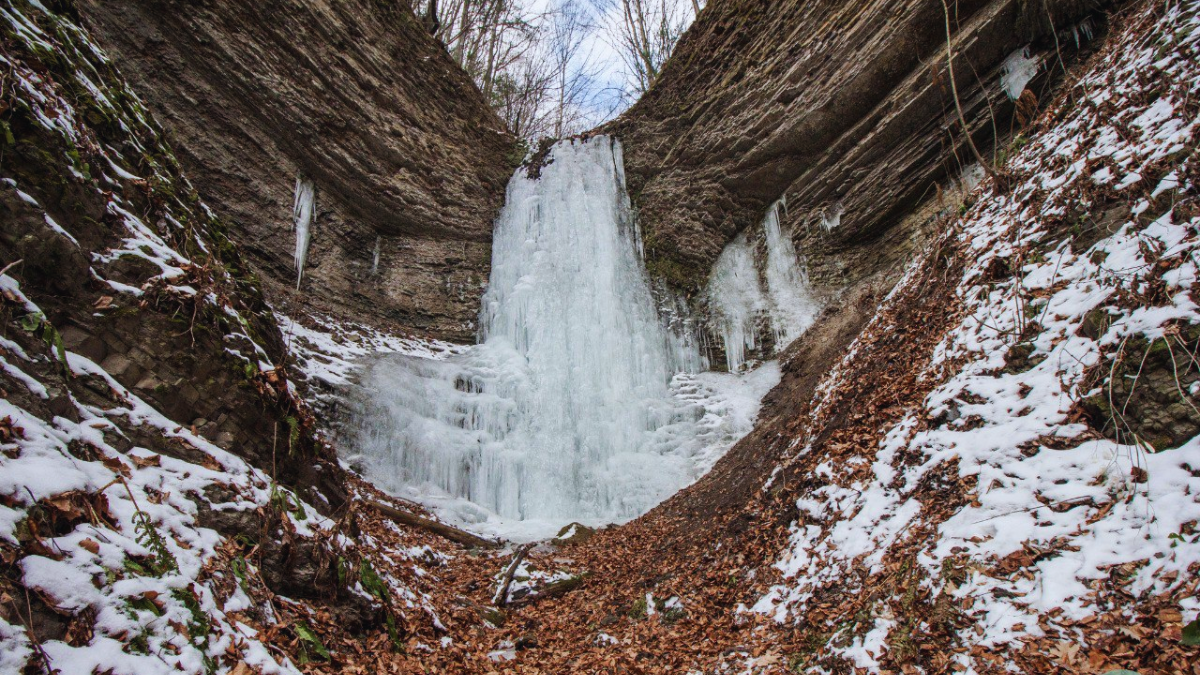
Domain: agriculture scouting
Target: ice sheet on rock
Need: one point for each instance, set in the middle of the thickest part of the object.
(1016, 72)
(744, 303)
(736, 300)
(793, 306)
(831, 217)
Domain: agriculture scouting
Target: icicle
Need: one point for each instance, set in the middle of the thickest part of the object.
(375, 258)
(302, 215)
(736, 300)
(793, 308)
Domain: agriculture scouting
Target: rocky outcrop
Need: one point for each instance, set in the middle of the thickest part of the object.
(124, 267)
(408, 161)
(844, 108)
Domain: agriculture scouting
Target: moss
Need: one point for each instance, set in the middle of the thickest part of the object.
(638, 609)
(676, 275)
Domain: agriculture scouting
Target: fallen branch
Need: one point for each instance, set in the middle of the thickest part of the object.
(501, 598)
(452, 533)
(551, 590)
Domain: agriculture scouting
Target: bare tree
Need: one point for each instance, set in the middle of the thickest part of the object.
(485, 36)
(539, 69)
(644, 32)
(573, 66)
(521, 98)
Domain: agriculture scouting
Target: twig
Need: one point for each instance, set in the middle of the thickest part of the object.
(501, 597)
(10, 266)
(962, 119)
(1077, 500)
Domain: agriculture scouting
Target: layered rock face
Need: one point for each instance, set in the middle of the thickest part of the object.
(408, 162)
(844, 108)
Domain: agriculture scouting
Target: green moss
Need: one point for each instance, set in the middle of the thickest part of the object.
(638, 609)
(678, 276)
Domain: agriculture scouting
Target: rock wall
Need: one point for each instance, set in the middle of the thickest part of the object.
(123, 266)
(845, 108)
(407, 158)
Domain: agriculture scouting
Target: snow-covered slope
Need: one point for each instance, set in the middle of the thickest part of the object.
(1029, 488)
(136, 536)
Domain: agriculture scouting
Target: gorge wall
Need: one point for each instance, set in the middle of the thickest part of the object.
(844, 108)
(408, 161)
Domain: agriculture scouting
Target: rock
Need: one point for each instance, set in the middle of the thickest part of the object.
(402, 147)
(116, 365)
(575, 533)
(842, 107)
(1145, 401)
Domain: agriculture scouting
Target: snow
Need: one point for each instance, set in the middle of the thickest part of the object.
(43, 469)
(332, 351)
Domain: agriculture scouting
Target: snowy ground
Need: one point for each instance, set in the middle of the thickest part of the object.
(1056, 506)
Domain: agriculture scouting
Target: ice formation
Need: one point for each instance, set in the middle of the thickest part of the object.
(793, 307)
(736, 301)
(831, 219)
(578, 403)
(743, 308)
(302, 215)
(1016, 72)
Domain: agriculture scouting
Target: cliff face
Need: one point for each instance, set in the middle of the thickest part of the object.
(845, 108)
(408, 161)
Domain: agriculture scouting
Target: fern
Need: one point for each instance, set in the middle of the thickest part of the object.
(372, 582)
(148, 536)
(293, 433)
(37, 324)
(200, 625)
(309, 640)
(240, 570)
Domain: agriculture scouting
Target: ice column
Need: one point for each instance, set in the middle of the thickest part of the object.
(750, 292)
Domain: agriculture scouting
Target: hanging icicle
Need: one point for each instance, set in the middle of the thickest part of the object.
(303, 212)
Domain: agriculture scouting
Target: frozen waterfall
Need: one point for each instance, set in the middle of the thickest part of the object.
(752, 295)
(578, 403)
